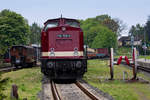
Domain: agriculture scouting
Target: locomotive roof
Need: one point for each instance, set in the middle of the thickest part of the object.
(57, 19)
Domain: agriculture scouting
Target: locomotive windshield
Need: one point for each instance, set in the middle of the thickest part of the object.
(51, 24)
(56, 22)
(72, 23)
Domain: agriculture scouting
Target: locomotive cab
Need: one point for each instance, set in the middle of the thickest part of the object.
(62, 49)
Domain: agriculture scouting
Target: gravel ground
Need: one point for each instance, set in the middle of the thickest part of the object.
(71, 92)
(45, 93)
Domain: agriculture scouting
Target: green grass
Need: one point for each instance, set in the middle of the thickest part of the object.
(28, 81)
(98, 73)
(142, 56)
(123, 51)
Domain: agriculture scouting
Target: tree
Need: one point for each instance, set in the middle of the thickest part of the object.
(121, 26)
(92, 27)
(132, 30)
(35, 33)
(105, 39)
(137, 31)
(102, 18)
(86, 26)
(147, 28)
(14, 30)
(111, 24)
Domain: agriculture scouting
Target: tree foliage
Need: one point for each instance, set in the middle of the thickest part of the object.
(97, 30)
(137, 31)
(147, 28)
(141, 32)
(111, 24)
(105, 38)
(14, 30)
(35, 33)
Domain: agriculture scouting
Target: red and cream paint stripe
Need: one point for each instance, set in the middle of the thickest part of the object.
(66, 53)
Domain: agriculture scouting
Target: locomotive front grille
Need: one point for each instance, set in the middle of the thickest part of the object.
(65, 65)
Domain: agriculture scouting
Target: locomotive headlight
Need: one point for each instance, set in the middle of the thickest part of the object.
(76, 52)
(52, 52)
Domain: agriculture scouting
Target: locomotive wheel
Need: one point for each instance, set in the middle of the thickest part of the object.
(18, 66)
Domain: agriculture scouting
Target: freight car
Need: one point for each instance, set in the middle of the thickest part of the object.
(102, 52)
(62, 49)
(91, 54)
(97, 53)
(22, 56)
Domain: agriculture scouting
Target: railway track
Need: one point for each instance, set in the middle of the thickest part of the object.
(144, 69)
(10, 68)
(69, 91)
(89, 94)
(7, 69)
(57, 96)
(55, 93)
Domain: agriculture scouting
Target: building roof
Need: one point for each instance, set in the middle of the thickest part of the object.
(128, 38)
(124, 38)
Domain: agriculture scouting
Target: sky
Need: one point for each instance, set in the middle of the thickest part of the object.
(130, 12)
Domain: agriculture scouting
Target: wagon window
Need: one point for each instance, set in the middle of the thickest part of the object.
(72, 23)
(51, 24)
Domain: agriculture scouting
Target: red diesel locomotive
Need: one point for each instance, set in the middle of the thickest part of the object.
(62, 49)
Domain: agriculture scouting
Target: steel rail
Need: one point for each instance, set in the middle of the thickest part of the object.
(55, 91)
(89, 94)
(144, 69)
(7, 69)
